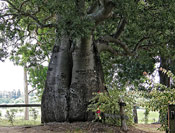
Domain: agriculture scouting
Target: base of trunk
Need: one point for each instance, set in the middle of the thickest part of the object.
(73, 77)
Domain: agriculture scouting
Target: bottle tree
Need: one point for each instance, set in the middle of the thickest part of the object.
(78, 31)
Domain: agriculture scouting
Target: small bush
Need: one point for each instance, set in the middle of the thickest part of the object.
(159, 97)
(34, 113)
(10, 115)
(146, 113)
(109, 104)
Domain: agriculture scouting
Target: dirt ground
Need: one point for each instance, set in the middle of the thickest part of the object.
(78, 127)
(150, 128)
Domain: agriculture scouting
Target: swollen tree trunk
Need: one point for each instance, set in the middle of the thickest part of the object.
(74, 73)
(26, 96)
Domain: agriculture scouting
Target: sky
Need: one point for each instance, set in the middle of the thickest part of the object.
(11, 76)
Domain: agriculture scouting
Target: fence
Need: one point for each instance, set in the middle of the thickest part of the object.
(18, 113)
(19, 105)
(121, 116)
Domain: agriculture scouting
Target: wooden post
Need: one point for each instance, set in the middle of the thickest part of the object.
(171, 118)
(135, 114)
(123, 121)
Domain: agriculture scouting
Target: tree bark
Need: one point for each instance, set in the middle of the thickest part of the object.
(164, 79)
(26, 96)
(74, 73)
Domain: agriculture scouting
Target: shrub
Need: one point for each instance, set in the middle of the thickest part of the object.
(109, 104)
(34, 113)
(159, 98)
(10, 115)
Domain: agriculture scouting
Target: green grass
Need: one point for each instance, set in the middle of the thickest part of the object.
(152, 117)
(19, 118)
(19, 121)
(4, 122)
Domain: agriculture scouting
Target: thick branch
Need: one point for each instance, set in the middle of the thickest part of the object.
(93, 8)
(122, 44)
(139, 42)
(6, 15)
(103, 46)
(25, 1)
(103, 13)
(120, 28)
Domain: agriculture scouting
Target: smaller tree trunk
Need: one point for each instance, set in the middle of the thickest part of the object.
(26, 96)
(135, 114)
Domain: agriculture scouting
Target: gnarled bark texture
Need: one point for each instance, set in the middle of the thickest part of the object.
(74, 73)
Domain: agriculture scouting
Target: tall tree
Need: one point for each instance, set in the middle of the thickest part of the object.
(82, 30)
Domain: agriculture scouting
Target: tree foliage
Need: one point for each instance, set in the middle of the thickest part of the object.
(37, 79)
(160, 97)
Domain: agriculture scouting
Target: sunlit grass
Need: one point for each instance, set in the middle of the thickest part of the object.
(152, 117)
(4, 122)
(19, 121)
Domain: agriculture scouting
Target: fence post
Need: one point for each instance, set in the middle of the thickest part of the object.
(171, 118)
(135, 114)
(123, 121)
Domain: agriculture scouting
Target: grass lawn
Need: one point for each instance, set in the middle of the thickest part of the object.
(4, 122)
(152, 117)
(19, 121)
(19, 117)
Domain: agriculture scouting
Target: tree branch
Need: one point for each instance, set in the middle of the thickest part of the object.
(31, 91)
(38, 21)
(10, 14)
(25, 1)
(139, 42)
(122, 44)
(93, 8)
(19, 12)
(104, 12)
(103, 46)
(120, 28)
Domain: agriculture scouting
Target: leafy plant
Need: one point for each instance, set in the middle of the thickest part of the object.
(10, 115)
(146, 113)
(159, 97)
(37, 78)
(34, 113)
(108, 102)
